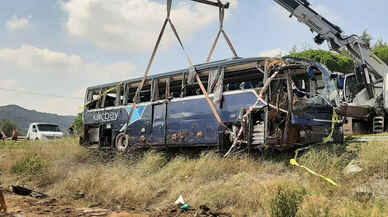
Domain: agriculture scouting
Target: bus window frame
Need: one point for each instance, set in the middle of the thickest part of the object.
(168, 91)
(118, 96)
(155, 90)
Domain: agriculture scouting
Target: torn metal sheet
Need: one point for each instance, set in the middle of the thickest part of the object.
(301, 100)
(261, 102)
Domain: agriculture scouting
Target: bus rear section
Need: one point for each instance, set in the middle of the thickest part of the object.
(171, 111)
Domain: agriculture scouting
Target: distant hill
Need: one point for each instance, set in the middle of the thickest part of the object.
(23, 117)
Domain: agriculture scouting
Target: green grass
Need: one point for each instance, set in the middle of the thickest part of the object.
(29, 165)
(287, 201)
(241, 185)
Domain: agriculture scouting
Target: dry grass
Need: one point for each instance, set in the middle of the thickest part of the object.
(240, 185)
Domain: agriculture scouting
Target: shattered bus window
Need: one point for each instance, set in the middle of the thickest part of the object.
(264, 103)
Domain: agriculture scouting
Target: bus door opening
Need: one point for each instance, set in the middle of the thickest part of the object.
(160, 95)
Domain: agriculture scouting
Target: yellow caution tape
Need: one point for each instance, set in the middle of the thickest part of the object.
(99, 96)
(334, 121)
(111, 89)
(293, 162)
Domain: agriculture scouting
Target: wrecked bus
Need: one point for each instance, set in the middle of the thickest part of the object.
(263, 103)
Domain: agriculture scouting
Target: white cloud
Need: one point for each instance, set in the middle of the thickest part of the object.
(16, 23)
(11, 92)
(59, 65)
(133, 25)
(53, 73)
(9, 84)
(273, 53)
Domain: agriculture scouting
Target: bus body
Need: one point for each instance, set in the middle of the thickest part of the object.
(171, 110)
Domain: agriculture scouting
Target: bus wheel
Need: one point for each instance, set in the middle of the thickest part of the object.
(122, 143)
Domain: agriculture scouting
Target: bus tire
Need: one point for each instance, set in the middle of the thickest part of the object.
(122, 143)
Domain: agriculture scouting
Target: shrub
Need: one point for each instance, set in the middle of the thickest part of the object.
(382, 52)
(29, 165)
(286, 201)
(7, 127)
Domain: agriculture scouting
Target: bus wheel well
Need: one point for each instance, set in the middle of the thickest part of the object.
(122, 143)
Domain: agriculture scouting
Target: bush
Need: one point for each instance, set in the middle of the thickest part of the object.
(78, 125)
(7, 127)
(334, 62)
(286, 201)
(29, 165)
(382, 53)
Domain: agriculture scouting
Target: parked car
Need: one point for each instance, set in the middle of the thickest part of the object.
(44, 131)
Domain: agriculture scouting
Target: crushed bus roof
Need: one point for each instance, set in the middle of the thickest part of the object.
(199, 67)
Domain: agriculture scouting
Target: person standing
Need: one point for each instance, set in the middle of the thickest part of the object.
(2, 136)
(71, 130)
(15, 135)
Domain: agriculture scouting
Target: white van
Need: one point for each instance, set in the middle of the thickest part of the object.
(44, 131)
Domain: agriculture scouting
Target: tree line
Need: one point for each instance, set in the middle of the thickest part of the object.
(340, 63)
(7, 127)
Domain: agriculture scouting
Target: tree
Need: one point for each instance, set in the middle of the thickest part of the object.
(380, 43)
(366, 38)
(334, 62)
(7, 127)
(382, 53)
(78, 124)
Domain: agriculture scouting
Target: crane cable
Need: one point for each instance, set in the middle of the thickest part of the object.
(221, 9)
(168, 21)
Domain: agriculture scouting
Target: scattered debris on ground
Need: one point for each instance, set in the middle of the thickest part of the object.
(26, 206)
(27, 192)
(352, 168)
(176, 210)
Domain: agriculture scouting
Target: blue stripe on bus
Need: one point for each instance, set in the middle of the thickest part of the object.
(137, 114)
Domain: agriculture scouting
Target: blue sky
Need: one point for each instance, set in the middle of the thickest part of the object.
(57, 47)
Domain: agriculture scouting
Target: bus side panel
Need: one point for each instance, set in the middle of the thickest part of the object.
(109, 120)
(191, 121)
(234, 102)
(140, 125)
(159, 124)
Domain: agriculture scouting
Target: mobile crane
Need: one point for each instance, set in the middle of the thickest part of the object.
(364, 97)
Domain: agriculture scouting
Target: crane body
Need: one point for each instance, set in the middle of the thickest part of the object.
(367, 87)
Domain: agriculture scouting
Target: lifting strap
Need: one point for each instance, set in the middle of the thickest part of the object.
(168, 20)
(140, 87)
(221, 9)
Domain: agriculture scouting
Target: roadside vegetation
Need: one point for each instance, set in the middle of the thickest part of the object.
(6, 127)
(265, 185)
(337, 62)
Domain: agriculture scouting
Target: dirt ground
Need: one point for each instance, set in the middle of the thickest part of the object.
(25, 206)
